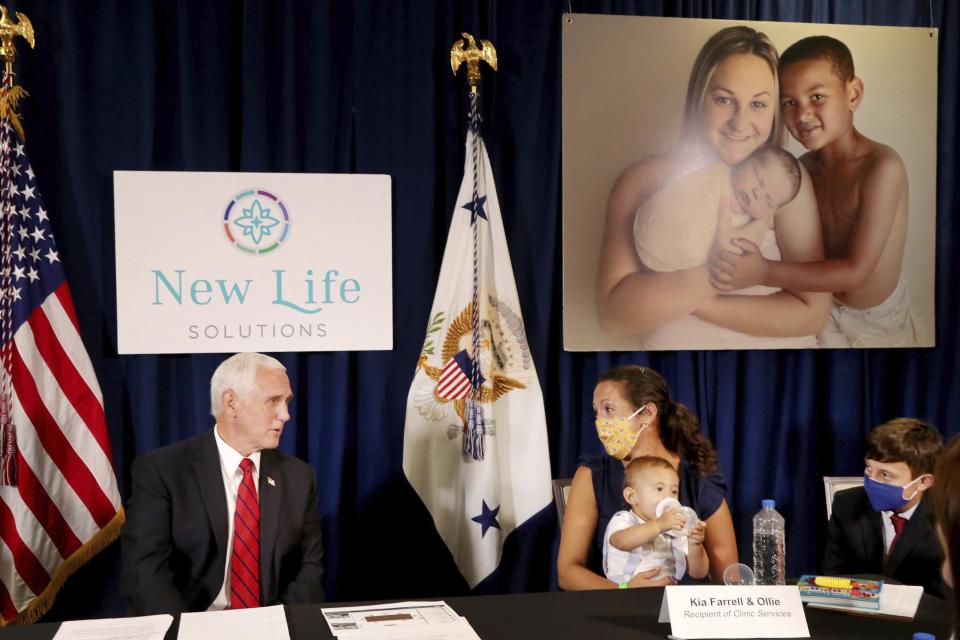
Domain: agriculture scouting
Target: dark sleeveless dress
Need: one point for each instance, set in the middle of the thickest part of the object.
(703, 493)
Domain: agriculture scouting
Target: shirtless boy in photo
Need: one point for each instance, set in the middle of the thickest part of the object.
(861, 190)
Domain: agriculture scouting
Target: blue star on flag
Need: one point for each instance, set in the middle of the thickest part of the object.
(487, 518)
(478, 205)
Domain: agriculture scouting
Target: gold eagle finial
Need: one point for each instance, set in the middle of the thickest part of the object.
(9, 30)
(472, 55)
(10, 94)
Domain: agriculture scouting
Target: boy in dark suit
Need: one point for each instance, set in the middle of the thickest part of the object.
(886, 527)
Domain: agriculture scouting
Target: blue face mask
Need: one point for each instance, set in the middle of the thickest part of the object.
(886, 497)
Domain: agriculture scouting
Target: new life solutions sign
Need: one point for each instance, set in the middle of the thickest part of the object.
(223, 262)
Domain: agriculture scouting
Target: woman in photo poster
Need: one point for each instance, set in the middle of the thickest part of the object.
(672, 208)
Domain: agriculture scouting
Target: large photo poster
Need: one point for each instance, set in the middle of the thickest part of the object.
(747, 185)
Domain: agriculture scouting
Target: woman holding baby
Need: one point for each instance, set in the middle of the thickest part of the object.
(731, 109)
(636, 417)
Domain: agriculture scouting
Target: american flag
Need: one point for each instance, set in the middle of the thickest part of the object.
(454, 381)
(59, 502)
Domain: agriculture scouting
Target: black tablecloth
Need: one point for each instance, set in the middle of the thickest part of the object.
(628, 613)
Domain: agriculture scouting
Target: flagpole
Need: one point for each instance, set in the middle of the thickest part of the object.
(473, 443)
(10, 96)
(475, 429)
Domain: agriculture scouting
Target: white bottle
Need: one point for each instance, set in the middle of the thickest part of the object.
(769, 552)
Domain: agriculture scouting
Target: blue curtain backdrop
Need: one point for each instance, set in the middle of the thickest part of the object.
(365, 86)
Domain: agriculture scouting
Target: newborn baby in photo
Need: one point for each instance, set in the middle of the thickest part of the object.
(675, 228)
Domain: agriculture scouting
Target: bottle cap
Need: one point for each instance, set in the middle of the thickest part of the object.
(769, 504)
(920, 635)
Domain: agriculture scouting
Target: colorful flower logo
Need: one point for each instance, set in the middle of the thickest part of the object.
(256, 222)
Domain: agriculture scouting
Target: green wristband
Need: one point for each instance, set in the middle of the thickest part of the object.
(623, 585)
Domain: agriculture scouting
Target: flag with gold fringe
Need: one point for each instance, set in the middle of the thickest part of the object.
(59, 502)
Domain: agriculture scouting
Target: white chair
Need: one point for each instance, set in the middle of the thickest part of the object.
(561, 491)
(832, 484)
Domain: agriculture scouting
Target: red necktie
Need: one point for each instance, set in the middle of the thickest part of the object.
(898, 522)
(245, 559)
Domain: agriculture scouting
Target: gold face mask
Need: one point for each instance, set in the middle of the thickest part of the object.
(616, 435)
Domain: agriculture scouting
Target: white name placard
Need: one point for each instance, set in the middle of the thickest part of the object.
(222, 262)
(716, 611)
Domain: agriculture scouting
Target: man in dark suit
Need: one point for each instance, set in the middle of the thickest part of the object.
(222, 520)
(886, 527)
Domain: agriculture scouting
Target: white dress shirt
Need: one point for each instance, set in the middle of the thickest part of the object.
(888, 531)
(232, 475)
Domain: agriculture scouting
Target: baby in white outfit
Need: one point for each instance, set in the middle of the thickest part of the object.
(637, 540)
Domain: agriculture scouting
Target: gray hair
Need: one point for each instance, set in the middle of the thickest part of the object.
(237, 373)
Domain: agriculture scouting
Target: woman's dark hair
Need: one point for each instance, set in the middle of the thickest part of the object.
(679, 428)
(946, 510)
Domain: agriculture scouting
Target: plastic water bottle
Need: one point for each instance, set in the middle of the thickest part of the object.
(769, 553)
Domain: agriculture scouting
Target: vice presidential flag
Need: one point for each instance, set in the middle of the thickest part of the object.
(59, 502)
(475, 438)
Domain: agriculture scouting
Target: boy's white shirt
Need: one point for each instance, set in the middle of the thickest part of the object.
(621, 566)
(888, 531)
